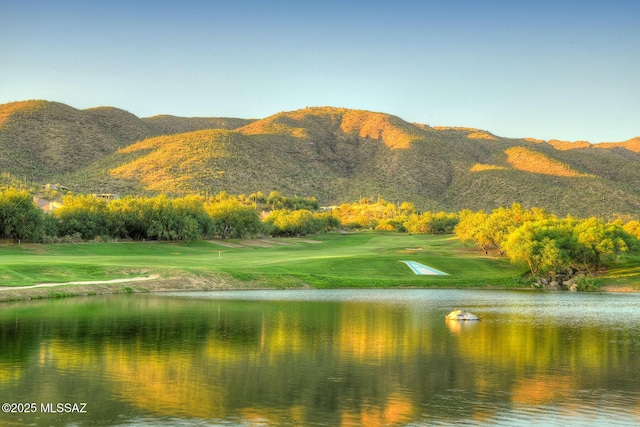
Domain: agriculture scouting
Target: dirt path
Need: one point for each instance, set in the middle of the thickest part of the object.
(90, 282)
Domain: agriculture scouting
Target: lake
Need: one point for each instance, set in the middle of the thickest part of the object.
(322, 358)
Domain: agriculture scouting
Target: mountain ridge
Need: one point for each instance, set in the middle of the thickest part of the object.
(336, 154)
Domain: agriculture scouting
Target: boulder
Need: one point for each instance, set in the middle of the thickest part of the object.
(458, 314)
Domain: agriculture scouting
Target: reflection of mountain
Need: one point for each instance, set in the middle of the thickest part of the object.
(348, 363)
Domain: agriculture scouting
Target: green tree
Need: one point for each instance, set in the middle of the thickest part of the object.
(431, 223)
(368, 215)
(543, 245)
(230, 218)
(503, 221)
(129, 217)
(600, 242)
(83, 214)
(196, 222)
(275, 200)
(296, 203)
(325, 222)
(299, 222)
(289, 223)
(20, 218)
(472, 227)
(160, 217)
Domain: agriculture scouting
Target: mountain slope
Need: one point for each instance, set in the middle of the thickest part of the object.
(42, 139)
(340, 155)
(167, 124)
(335, 154)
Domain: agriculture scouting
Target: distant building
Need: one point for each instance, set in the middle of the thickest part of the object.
(106, 196)
(46, 205)
(56, 187)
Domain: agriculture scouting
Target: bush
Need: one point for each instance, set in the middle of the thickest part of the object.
(20, 218)
(587, 284)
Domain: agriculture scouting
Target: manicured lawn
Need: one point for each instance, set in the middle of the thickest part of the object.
(330, 260)
(624, 272)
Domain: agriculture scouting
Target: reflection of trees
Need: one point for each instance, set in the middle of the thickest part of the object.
(341, 364)
(543, 389)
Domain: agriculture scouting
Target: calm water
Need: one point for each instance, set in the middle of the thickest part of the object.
(323, 358)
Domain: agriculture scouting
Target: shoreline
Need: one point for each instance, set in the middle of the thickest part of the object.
(144, 284)
(155, 283)
(84, 282)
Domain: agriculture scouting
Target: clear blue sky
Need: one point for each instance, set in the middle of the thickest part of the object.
(542, 69)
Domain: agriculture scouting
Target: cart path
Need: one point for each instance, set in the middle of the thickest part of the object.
(89, 282)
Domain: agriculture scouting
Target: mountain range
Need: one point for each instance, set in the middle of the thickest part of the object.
(335, 154)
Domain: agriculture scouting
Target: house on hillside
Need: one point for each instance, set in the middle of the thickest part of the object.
(107, 197)
(46, 205)
(56, 187)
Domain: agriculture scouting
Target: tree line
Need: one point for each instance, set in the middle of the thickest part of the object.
(532, 237)
(383, 215)
(188, 218)
(194, 217)
(546, 243)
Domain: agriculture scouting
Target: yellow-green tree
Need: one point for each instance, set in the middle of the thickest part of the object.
(632, 227)
(431, 223)
(83, 214)
(472, 227)
(20, 218)
(503, 221)
(231, 218)
(299, 222)
(599, 242)
(129, 217)
(543, 245)
(552, 244)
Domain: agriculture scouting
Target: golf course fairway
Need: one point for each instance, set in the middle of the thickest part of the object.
(353, 260)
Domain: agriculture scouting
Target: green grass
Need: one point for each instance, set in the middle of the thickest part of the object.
(623, 272)
(355, 260)
(333, 260)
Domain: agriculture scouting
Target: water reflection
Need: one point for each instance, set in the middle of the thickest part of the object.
(325, 358)
(458, 326)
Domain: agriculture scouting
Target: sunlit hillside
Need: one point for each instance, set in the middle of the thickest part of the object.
(42, 140)
(335, 154)
(167, 125)
(39, 139)
(529, 160)
(632, 144)
(569, 145)
(178, 164)
(323, 122)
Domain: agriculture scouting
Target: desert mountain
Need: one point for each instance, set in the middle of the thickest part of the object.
(42, 139)
(335, 154)
(167, 125)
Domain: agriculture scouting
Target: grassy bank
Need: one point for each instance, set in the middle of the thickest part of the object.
(323, 261)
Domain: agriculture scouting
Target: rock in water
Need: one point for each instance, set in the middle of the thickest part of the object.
(458, 314)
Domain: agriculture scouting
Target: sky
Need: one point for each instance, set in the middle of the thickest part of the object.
(567, 70)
